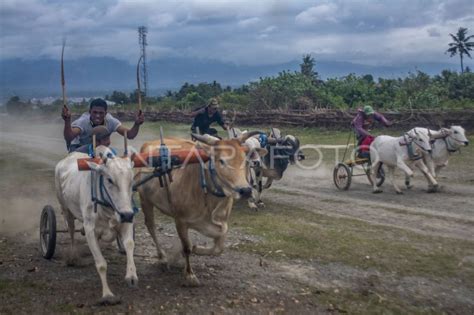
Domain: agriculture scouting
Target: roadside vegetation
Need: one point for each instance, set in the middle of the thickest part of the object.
(302, 90)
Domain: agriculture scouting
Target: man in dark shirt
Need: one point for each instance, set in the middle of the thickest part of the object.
(205, 116)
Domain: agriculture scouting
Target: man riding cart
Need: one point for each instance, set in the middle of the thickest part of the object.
(362, 123)
(205, 116)
(79, 132)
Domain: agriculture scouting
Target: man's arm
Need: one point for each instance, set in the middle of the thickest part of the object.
(198, 111)
(69, 132)
(132, 132)
(221, 122)
(382, 119)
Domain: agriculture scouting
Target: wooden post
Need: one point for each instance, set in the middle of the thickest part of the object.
(125, 144)
(94, 143)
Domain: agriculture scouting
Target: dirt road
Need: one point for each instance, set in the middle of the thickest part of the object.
(241, 281)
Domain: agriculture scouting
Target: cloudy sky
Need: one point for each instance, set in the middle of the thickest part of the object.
(250, 32)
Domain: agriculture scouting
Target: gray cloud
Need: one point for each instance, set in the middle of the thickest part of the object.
(433, 32)
(238, 31)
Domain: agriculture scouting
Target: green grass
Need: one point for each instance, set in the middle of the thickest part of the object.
(369, 301)
(459, 163)
(306, 235)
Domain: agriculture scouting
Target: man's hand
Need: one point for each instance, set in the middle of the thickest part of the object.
(139, 118)
(446, 132)
(66, 114)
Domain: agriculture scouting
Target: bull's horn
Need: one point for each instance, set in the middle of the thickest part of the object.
(207, 139)
(103, 157)
(247, 135)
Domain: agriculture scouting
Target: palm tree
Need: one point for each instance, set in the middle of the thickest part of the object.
(461, 45)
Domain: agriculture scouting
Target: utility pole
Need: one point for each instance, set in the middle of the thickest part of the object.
(142, 31)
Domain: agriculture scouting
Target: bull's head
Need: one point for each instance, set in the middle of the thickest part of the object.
(420, 139)
(283, 151)
(458, 136)
(117, 176)
(229, 158)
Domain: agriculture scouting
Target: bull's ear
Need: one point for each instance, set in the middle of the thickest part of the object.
(95, 167)
(261, 151)
(132, 159)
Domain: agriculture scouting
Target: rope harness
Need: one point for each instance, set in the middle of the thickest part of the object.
(216, 189)
(105, 200)
(451, 150)
(409, 145)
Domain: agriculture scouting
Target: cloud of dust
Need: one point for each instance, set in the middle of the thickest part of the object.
(29, 151)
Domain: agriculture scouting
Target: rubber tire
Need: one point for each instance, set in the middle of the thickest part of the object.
(121, 248)
(381, 176)
(347, 183)
(48, 243)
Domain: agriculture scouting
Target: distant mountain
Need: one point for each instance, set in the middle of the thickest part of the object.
(99, 76)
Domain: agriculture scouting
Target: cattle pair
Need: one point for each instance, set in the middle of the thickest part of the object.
(430, 151)
(101, 199)
(281, 152)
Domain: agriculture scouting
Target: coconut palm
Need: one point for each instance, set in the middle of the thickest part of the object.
(461, 45)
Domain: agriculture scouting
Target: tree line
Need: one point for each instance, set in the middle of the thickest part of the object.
(305, 90)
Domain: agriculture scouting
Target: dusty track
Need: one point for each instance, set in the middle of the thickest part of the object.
(235, 282)
(448, 213)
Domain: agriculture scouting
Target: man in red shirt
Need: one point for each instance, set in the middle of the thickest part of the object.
(362, 123)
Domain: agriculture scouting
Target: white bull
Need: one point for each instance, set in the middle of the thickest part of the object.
(393, 152)
(444, 143)
(112, 180)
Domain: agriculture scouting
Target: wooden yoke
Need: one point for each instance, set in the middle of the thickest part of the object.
(149, 159)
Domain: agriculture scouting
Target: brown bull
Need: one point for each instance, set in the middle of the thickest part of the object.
(185, 199)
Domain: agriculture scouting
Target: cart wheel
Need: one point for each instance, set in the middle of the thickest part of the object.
(48, 232)
(380, 176)
(121, 247)
(342, 176)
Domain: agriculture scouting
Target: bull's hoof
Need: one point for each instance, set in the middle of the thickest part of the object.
(109, 300)
(163, 264)
(260, 204)
(132, 281)
(433, 189)
(192, 281)
(399, 192)
(72, 259)
(377, 191)
(253, 206)
(408, 185)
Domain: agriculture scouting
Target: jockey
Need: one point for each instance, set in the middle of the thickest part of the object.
(362, 123)
(205, 116)
(79, 132)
